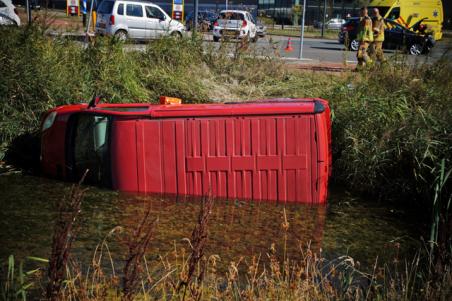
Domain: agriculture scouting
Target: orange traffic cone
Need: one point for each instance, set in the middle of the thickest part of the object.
(289, 47)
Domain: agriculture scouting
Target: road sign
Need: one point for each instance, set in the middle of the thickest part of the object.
(72, 7)
(178, 10)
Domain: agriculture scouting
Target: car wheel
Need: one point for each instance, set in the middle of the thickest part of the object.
(176, 35)
(121, 35)
(416, 49)
(216, 39)
(354, 45)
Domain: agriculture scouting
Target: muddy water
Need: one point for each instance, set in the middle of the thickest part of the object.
(237, 229)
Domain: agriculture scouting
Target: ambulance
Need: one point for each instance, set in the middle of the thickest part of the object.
(408, 12)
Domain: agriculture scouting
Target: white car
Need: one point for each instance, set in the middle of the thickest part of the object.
(335, 24)
(8, 13)
(235, 24)
(139, 20)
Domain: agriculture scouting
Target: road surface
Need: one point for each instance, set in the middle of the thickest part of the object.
(318, 50)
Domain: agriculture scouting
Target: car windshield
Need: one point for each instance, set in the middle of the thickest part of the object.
(351, 21)
(393, 26)
(106, 7)
(232, 16)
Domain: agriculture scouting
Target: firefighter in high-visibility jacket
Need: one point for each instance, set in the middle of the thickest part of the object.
(365, 37)
(378, 28)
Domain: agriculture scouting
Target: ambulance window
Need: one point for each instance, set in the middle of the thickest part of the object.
(394, 14)
(91, 149)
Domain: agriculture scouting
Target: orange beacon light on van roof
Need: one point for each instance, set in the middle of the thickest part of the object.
(166, 100)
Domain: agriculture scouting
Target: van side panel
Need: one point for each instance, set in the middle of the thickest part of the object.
(259, 157)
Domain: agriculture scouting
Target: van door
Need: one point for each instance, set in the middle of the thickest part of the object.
(136, 21)
(156, 22)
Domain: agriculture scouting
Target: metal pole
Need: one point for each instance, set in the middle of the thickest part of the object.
(226, 4)
(28, 12)
(324, 16)
(195, 19)
(84, 12)
(302, 31)
(89, 20)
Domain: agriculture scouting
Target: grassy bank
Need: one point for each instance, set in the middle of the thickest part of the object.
(315, 34)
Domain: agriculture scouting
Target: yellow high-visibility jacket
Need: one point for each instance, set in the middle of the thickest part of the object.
(378, 29)
(365, 33)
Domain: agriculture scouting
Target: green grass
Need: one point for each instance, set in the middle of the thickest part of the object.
(328, 34)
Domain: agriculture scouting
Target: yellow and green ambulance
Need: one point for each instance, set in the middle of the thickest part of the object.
(408, 12)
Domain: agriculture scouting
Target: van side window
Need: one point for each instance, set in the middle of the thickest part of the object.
(154, 13)
(394, 14)
(121, 9)
(134, 10)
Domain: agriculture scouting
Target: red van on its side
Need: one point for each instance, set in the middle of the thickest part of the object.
(276, 149)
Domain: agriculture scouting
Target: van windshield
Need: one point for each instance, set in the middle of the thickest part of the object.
(91, 149)
(106, 7)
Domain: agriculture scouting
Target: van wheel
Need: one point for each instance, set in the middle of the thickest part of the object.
(121, 35)
(176, 35)
(216, 39)
(256, 37)
(416, 49)
(354, 45)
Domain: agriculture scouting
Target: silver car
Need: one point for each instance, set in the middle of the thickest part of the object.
(335, 24)
(135, 20)
(8, 13)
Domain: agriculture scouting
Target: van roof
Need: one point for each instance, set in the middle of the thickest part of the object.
(281, 106)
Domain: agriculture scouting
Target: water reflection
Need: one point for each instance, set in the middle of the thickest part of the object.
(237, 228)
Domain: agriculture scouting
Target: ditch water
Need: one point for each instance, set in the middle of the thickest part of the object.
(346, 226)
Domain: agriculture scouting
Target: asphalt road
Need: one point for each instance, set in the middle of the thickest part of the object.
(317, 50)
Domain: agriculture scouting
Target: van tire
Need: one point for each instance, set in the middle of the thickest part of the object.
(256, 37)
(216, 39)
(121, 35)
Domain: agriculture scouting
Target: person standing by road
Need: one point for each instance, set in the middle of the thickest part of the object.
(378, 28)
(365, 37)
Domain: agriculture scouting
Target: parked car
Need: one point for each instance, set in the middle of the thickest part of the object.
(35, 4)
(8, 13)
(413, 40)
(261, 29)
(204, 17)
(335, 24)
(317, 24)
(235, 24)
(135, 20)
